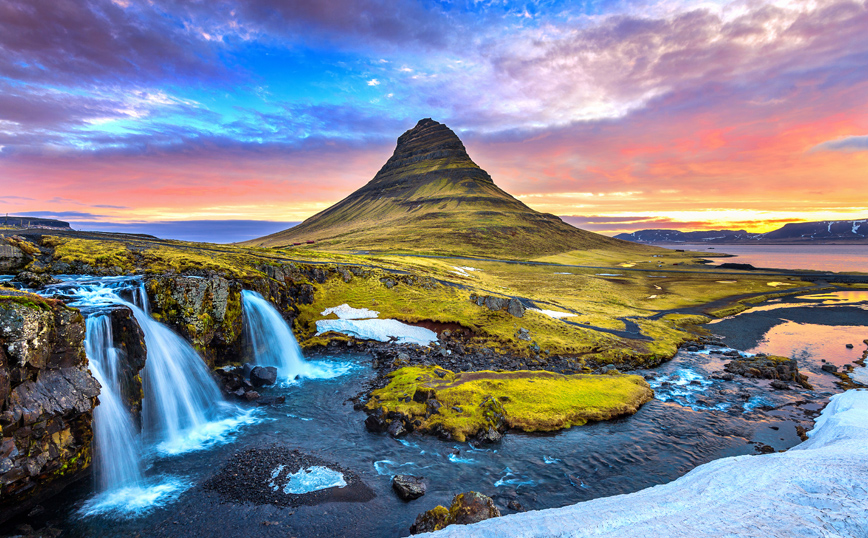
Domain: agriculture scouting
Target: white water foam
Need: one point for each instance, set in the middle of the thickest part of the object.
(135, 501)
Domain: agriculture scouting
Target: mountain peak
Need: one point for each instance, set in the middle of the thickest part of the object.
(430, 196)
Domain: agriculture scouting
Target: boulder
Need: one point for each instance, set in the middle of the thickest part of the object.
(263, 375)
(408, 487)
(512, 305)
(466, 508)
(831, 368)
(515, 308)
(396, 429)
(768, 367)
(489, 436)
(247, 369)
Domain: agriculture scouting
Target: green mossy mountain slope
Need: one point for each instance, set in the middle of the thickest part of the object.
(431, 197)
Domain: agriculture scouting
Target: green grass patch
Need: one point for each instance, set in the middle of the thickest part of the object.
(526, 400)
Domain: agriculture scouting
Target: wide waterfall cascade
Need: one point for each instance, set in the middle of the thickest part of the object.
(182, 408)
(116, 446)
(272, 339)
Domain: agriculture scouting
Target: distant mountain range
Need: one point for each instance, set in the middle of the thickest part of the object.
(827, 231)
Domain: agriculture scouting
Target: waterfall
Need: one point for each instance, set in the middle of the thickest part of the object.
(180, 394)
(272, 339)
(116, 446)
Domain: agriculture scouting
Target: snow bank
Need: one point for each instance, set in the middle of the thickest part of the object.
(378, 329)
(345, 311)
(860, 375)
(553, 313)
(818, 488)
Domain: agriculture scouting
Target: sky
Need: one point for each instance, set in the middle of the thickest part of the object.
(243, 117)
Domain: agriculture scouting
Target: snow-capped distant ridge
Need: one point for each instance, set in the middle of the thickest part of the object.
(797, 232)
(818, 488)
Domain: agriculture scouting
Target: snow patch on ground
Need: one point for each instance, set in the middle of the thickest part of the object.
(381, 330)
(818, 488)
(345, 311)
(463, 270)
(860, 375)
(776, 284)
(553, 313)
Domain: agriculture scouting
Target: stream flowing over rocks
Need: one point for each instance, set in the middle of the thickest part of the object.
(304, 463)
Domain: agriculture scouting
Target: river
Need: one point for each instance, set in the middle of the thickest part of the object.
(694, 418)
(835, 258)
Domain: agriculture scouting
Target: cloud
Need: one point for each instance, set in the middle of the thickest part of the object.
(373, 82)
(849, 143)
(71, 42)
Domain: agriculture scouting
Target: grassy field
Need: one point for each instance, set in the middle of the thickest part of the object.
(617, 314)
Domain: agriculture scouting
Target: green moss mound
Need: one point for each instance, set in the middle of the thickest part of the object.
(471, 402)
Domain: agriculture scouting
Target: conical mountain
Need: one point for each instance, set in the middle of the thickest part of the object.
(431, 197)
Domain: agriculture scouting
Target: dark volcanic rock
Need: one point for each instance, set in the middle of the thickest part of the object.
(34, 281)
(466, 508)
(47, 397)
(408, 487)
(130, 341)
(263, 375)
(768, 367)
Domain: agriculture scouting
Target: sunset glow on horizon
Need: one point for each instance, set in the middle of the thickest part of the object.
(616, 115)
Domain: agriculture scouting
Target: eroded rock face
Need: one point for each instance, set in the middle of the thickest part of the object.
(205, 311)
(47, 396)
(130, 342)
(466, 508)
(12, 258)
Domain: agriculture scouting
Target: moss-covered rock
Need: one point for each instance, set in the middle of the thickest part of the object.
(47, 397)
(466, 508)
(205, 311)
(467, 404)
(763, 366)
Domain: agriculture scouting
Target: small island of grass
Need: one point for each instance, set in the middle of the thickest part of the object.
(467, 404)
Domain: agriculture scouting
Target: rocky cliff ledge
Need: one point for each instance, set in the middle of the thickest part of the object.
(206, 310)
(47, 396)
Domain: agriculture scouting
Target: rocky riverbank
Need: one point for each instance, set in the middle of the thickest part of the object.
(47, 397)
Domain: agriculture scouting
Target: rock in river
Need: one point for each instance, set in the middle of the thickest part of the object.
(263, 375)
(408, 487)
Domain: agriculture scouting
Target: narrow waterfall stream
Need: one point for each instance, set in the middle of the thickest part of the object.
(116, 446)
(274, 344)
